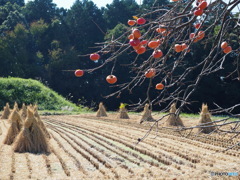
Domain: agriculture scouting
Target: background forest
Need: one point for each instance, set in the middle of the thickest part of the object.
(38, 40)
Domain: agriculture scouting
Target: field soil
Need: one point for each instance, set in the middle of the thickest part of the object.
(86, 147)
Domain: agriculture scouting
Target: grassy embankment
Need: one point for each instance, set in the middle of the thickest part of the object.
(30, 91)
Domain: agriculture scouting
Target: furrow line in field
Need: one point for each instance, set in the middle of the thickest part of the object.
(6, 162)
(48, 164)
(159, 143)
(217, 142)
(194, 160)
(63, 164)
(201, 138)
(187, 151)
(202, 145)
(1, 150)
(106, 124)
(161, 157)
(179, 144)
(93, 154)
(21, 166)
(6, 155)
(39, 169)
(83, 153)
(208, 162)
(100, 150)
(133, 147)
(163, 147)
(112, 147)
(13, 168)
(76, 161)
(56, 165)
(194, 152)
(29, 166)
(111, 150)
(133, 153)
(82, 161)
(168, 133)
(1, 164)
(166, 148)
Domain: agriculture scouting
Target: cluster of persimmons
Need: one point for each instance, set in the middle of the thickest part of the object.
(140, 45)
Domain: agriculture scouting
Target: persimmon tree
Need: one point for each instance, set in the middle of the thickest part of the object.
(165, 37)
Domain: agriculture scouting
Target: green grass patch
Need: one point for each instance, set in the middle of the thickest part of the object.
(30, 91)
(185, 115)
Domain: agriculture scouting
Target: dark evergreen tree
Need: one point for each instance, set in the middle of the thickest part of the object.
(18, 2)
(10, 16)
(86, 25)
(40, 9)
(154, 3)
(119, 11)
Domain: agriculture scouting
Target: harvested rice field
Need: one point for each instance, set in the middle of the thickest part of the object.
(87, 147)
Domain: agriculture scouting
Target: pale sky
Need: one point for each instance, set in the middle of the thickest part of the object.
(102, 3)
(68, 3)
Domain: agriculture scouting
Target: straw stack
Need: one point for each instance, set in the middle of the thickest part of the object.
(101, 111)
(15, 127)
(173, 119)
(31, 138)
(40, 122)
(23, 111)
(205, 117)
(123, 114)
(147, 114)
(6, 112)
(16, 106)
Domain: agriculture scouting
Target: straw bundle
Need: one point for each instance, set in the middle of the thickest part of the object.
(15, 127)
(6, 112)
(16, 106)
(23, 111)
(31, 138)
(123, 112)
(173, 119)
(12, 113)
(205, 117)
(30, 106)
(41, 124)
(35, 107)
(101, 110)
(147, 114)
